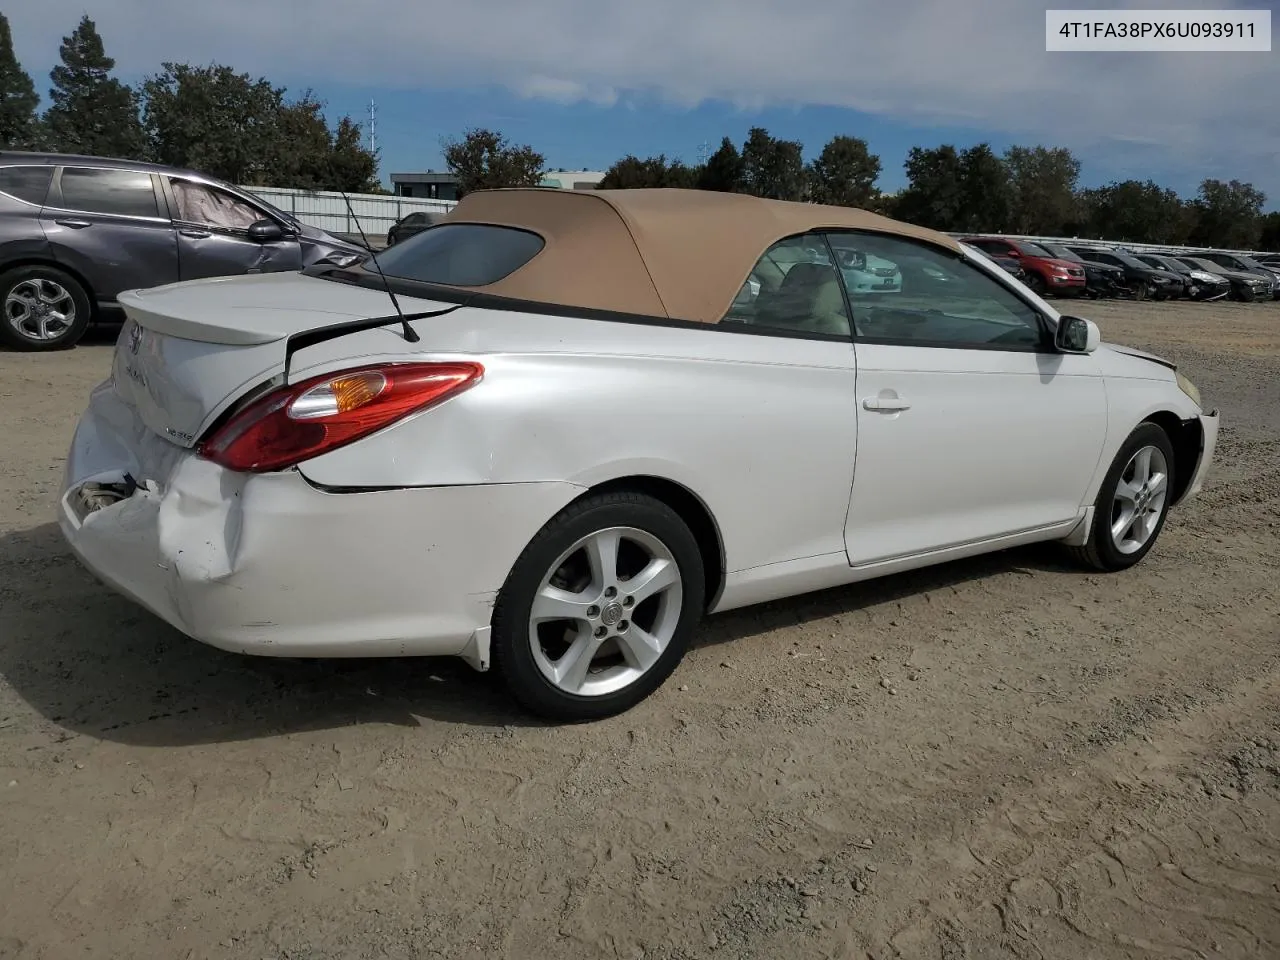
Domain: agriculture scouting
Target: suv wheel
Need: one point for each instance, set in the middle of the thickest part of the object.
(44, 308)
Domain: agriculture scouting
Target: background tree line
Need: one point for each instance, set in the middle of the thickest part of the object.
(1027, 190)
(208, 118)
(248, 131)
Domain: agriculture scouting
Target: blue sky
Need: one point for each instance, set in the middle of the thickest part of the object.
(587, 82)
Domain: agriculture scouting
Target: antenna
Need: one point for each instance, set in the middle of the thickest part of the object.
(409, 333)
(703, 151)
(373, 127)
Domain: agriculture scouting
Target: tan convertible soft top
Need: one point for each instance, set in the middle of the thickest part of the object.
(676, 253)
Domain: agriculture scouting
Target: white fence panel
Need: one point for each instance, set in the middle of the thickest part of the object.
(328, 211)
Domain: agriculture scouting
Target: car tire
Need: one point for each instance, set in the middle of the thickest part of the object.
(1147, 502)
(39, 286)
(619, 662)
(1037, 284)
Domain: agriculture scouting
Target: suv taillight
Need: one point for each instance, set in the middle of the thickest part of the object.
(302, 421)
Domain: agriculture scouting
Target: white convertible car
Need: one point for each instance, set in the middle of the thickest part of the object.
(553, 431)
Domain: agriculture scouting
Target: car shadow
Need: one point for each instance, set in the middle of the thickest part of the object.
(94, 664)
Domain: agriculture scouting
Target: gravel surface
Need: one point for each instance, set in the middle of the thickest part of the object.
(997, 758)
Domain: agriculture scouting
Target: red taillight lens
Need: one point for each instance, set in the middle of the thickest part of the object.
(323, 413)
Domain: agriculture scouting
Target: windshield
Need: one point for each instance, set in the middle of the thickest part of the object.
(287, 217)
(1253, 264)
(1031, 249)
(1129, 260)
(1161, 263)
(1207, 265)
(1062, 253)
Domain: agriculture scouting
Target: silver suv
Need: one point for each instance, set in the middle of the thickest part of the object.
(76, 231)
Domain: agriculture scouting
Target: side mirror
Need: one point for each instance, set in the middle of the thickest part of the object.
(265, 231)
(1076, 335)
(1013, 254)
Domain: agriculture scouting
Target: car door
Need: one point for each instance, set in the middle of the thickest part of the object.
(107, 224)
(213, 233)
(971, 426)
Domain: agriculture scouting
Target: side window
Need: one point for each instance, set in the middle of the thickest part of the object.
(123, 192)
(211, 207)
(26, 183)
(793, 286)
(905, 292)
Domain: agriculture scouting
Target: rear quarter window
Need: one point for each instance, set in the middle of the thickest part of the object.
(29, 183)
(461, 254)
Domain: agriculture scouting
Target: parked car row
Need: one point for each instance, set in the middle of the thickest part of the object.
(1096, 270)
(76, 231)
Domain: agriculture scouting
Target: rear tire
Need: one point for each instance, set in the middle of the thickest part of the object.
(604, 634)
(1133, 502)
(44, 308)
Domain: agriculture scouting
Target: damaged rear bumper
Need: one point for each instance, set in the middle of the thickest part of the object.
(268, 564)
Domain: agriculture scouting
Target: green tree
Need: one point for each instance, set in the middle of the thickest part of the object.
(845, 173)
(771, 167)
(1269, 234)
(301, 146)
(214, 120)
(1043, 182)
(934, 195)
(1228, 215)
(484, 160)
(632, 172)
(1137, 211)
(90, 111)
(18, 99)
(352, 166)
(723, 170)
(986, 195)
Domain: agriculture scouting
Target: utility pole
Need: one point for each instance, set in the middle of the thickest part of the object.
(373, 127)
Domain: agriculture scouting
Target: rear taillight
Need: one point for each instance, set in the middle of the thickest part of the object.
(323, 413)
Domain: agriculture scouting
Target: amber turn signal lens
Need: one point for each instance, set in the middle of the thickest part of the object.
(340, 395)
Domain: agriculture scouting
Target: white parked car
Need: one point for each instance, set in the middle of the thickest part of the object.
(580, 439)
(865, 273)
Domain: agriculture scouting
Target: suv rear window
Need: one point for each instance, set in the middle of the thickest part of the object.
(124, 192)
(26, 183)
(461, 254)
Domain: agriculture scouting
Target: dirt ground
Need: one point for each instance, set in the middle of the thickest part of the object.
(999, 758)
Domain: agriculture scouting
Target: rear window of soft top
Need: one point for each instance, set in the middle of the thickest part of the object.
(460, 254)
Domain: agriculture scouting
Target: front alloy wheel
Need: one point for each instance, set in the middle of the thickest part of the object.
(599, 608)
(1133, 503)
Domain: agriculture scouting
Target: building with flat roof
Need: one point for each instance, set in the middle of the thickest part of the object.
(443, 185)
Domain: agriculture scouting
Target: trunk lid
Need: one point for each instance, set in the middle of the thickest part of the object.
(190, 350)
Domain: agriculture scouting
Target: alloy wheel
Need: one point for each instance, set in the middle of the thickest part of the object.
(605, 612)
(1139, 500)
(40, 309)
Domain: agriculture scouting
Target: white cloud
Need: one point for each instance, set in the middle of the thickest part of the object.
(978, 63)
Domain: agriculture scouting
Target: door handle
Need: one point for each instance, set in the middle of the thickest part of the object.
(74, 223)
(197, 234)
(886, 404)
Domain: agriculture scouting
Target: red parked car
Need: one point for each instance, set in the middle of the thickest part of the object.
(1045, 273)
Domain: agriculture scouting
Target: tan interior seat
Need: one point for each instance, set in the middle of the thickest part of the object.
(809, 298)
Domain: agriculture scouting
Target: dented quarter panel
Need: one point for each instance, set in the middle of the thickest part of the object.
(268, 564)
(741, 421)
